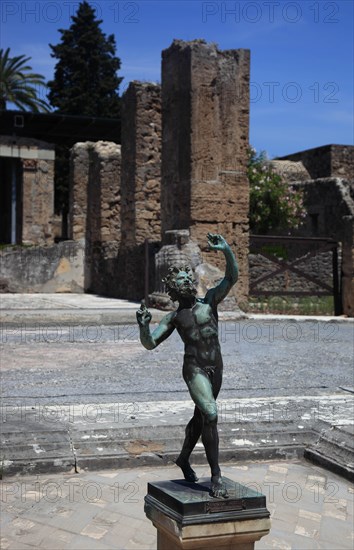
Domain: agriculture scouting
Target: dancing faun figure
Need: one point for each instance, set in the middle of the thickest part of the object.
(196, 321)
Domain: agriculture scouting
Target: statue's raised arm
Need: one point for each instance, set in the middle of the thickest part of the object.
(152, 339)
(215, 295)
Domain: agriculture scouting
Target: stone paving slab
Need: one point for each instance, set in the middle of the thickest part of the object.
(310, 508)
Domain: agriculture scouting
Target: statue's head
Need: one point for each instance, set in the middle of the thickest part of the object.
(180, 283)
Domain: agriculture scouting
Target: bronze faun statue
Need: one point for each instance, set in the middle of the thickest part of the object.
(196, 320)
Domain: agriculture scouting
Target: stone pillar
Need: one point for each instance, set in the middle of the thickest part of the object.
(140, 181)
(205, 136)
(103, 224)
(79, 174)
(95, 211)
(186, 517)
(37, 201)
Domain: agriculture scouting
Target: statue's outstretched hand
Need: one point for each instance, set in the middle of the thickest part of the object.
(143, 315)
(216, 242)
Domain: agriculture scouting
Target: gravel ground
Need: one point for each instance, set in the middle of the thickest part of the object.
(85, 364)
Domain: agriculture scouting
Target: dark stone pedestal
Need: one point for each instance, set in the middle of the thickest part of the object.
(186, 516)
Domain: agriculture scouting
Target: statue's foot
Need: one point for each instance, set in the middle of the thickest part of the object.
(188, 472)
(218, 488)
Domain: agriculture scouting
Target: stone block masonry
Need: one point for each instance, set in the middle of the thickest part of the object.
(95, 211)
(330, 207)
(79, 170)
(327, 161)
(205, 136)
(103, 232)
(37, 201)
(27, 191)
(140, 182)
(54, 268)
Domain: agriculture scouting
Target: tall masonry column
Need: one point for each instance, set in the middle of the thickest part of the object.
(205, 137)
(140, 182)
(95, 211)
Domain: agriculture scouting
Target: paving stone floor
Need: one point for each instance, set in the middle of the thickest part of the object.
(310, 507)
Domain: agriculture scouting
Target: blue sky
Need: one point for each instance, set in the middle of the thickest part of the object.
(301, 55)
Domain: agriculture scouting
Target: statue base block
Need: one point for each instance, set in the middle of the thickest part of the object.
(186, 516)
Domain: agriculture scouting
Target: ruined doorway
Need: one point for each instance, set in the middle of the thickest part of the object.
(10, 200)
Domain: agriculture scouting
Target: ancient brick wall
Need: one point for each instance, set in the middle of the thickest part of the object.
(37, 201)
(95, 211)
(329, 203)
(327, 161)
(342, 161)
(140, 182)
(205, 136)
(103, 231)
(330, 208)
(79, 173)
(32, 163)
(55, 268)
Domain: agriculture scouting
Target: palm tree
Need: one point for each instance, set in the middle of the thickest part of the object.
(18, 83)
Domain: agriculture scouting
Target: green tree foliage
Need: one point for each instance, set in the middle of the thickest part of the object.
(85, 79)
(85, 83)
(274, 205)
(19, 85)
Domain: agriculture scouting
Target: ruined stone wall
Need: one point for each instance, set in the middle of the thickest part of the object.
(205, 103)
(55, 268)
(205, 136)
(103, 227)
(342, 160)
(35, 187)
(114, 203)
(95, 211)
(328, 204)
(140, 182)
(327, 161)
(330, 213)
(79, 173)
(330, 210)
(348, 272)
(37, 201)
(289, 170)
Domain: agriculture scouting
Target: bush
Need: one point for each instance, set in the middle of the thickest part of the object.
(275, 206)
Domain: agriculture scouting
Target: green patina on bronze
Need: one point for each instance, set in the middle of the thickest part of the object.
(196, 320)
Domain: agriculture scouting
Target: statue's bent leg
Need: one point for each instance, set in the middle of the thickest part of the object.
(193, 432)
(201, 391)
